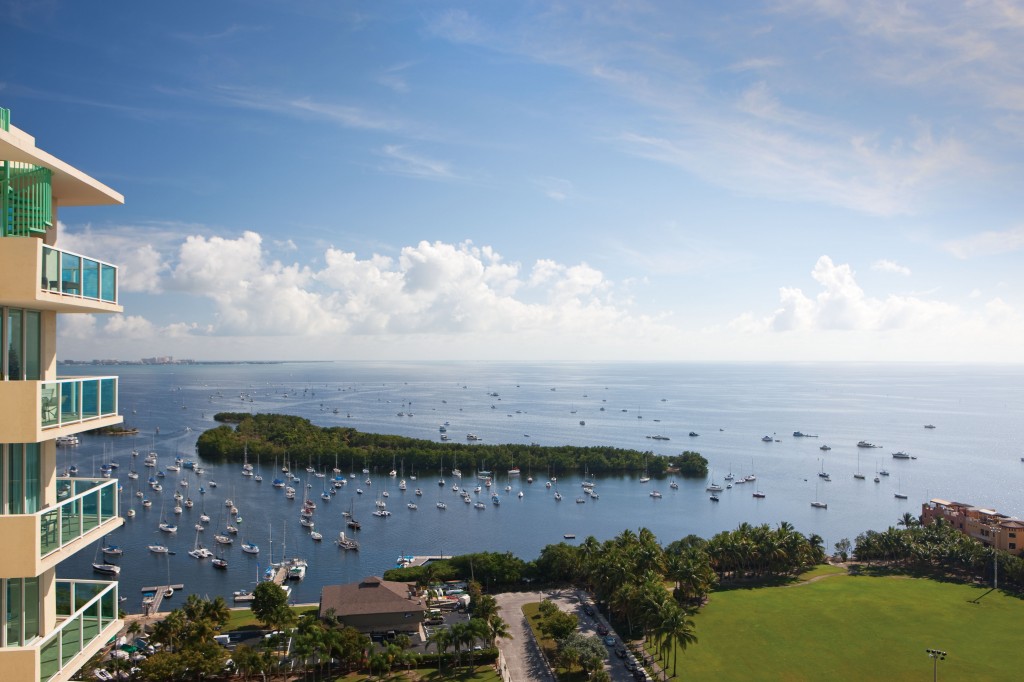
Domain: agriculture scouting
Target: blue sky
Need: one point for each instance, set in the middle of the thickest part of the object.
(793, 180)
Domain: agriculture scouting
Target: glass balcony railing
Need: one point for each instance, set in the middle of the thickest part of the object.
(85, 608)
(75, 400)
(82, 504)
(74, 275)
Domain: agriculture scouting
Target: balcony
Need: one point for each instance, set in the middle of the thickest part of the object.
(33, 411)
(86, 510)
(87, 613)
(35, 275)
(86, 621)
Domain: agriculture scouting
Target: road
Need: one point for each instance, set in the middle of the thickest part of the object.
(523, 657)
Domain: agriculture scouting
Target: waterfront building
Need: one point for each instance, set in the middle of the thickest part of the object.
(375, 606)
(49, 625)
(987, 526)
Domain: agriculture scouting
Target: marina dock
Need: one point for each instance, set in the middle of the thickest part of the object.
(420, 560)
(151, 605)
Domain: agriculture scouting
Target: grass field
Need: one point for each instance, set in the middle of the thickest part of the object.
(242, 619)
(844, 627)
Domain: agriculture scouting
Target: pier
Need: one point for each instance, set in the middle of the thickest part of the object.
(420, 560)
(152, 605)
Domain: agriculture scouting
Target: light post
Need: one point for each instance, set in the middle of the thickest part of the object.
(936, 655)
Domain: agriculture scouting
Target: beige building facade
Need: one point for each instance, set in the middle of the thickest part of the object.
(49, 626)
(987, 526)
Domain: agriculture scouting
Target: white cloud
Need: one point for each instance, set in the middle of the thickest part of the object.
(140, 264)
(989, 243)
(404, 162)
(842, 305)
(895, 268)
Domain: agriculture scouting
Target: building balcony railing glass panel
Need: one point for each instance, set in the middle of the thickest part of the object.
(70, 401)
(85, 503)
(84, 609)
(71, 274)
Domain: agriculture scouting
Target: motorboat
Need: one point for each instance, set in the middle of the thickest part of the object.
(866, 444)
(250, 548)
(900, 455)
(767, 439)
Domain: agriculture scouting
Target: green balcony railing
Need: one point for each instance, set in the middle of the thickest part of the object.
(26, 199)
(74, 275)
(83, 504)
(85, 608)
(76, 400)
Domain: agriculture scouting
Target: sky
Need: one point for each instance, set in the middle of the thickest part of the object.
(801, 180)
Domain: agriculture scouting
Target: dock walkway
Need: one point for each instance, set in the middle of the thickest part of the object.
(151, 605)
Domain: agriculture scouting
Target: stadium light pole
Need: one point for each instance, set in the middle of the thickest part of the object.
(936, 655)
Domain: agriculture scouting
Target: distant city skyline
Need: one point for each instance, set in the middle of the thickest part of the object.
(660, 181)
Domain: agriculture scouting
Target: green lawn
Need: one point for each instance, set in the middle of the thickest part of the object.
(242, 619)
(845, 627)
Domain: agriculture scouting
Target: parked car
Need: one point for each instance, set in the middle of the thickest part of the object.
(609, 640)
(602, 629)
(620, 651)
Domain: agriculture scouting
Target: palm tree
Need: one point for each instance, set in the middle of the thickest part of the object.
(442, 639)
(677, 629)
(908, 520)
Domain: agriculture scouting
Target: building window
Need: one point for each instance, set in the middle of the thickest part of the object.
(21, 604)
(20, 338)
(1013, 545)
(22, 475)
(1013, 535)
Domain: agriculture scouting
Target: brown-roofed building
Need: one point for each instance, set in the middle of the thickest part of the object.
(375, 605)
(984, 525)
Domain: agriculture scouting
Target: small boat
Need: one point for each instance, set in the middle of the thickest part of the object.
(243, 595)
(673, 485)
(900, 455)
(109, 569)
(866, 444)
(442, 505)
(159, 549)
(345, 542)
(250, 548)
(767, 439)
(819, 505)
(714, 498)
(929, 426)
(693, 434)
(656, 495)
(412, 505)
(168, 527)
(317, 537)
(758, 494)
(825, 448)
(569, 536)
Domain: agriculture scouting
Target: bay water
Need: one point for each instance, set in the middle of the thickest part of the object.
(974, 454)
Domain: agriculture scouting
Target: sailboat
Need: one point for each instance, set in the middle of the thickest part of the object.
(104, 567)
(164, 525)
(817, 504)
(111, 550)
(859, 476)
(258, 477)
(345, 542)
(198, 551)
(899, 495)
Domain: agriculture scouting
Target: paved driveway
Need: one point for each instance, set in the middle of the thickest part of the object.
(523, 657)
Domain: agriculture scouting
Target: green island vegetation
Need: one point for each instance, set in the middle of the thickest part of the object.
(285, 437)
(114, 430)
(763, 599)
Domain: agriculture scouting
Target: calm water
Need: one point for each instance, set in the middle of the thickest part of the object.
(973, 455)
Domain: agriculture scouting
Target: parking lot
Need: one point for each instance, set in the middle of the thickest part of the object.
(523, 657)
